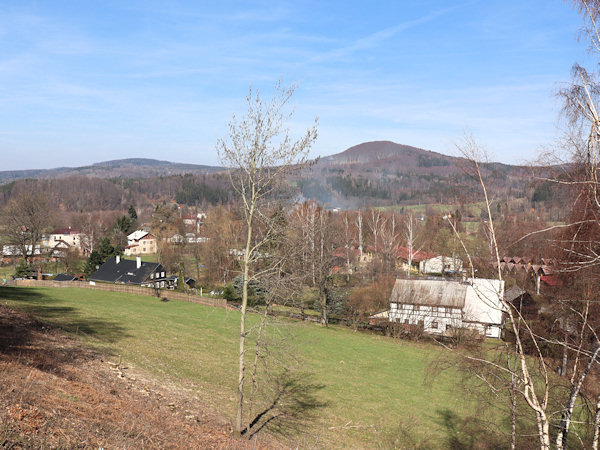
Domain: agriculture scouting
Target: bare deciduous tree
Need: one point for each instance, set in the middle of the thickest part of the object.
(24, 220)
(259, 152)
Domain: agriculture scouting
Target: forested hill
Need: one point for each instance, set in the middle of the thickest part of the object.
(383, 172)
(370, 174)
(120, 168)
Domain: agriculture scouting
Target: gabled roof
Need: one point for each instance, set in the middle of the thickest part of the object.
(125, 271)
(417, 255)
(552, 280)
(64, 277)
(62, 244)
(67, 230)
(137, 235)
(450, 294)
(513, 293)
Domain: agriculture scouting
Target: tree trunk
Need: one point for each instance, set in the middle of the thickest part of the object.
(563, 370)
(241, 361)
(323, 303)
(261, 327)
(565, 420)
(596, 425)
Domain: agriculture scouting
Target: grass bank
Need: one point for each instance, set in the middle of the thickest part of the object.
(372, 387)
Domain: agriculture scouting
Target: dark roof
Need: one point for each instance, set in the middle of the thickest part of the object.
(64, 277)
(513, 293)
(68, 230)
(126, 271)
(449, 294)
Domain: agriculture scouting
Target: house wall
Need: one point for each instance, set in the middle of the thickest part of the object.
(482, 309)
(403, 266)
(131, 251)
(435, 319)
(145, 246)
(74, 240)
(441, 264)
(483, 306)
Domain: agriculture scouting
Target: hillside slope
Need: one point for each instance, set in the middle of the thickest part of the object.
(59, 394)
(120, 168)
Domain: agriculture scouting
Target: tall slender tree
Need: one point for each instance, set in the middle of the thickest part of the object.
(259, 152)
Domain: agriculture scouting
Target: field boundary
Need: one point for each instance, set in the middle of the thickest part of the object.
(125, 289)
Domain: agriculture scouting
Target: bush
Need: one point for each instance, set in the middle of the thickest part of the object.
(22, 270)
(256, 292)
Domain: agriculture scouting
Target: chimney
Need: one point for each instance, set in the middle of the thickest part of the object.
(118, 259)
(138, 261)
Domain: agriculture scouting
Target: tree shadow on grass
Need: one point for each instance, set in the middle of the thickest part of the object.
(470, 432)
(31, 333)
(292, 406)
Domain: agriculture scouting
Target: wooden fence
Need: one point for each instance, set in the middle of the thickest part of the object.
(126, 289)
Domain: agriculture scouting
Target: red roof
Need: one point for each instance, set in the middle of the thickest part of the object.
(67, 230)
(418, 255)
(551, 280)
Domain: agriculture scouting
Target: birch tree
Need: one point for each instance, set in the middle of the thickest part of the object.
(259, 152)
(410, 238)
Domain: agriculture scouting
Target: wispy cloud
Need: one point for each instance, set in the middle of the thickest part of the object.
(373, 39)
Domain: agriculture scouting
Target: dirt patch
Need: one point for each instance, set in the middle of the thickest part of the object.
(58, 393)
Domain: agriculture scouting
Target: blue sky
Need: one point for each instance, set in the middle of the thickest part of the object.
(83, 81)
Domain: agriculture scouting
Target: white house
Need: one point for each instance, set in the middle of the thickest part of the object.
(425, 262)
(440, 264)
(440, 305)
(68, 236)
(141, 242)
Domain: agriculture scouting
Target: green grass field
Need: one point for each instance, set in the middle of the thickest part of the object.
(146, 258)
(373, 386)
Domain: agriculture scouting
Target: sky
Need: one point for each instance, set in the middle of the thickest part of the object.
(84, 82)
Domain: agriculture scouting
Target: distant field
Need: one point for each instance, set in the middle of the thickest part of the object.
(373, 386)
(145, 258)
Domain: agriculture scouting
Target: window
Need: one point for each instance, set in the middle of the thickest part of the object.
(448, 327)
(162, 274)
(157, 274)
(151, 275)
(434, 325)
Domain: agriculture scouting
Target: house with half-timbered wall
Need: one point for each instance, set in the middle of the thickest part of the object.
(441, 305)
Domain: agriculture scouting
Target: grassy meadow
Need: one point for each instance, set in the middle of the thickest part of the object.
(372, 388)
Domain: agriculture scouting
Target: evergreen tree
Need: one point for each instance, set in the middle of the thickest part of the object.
(124, 224)
(132, 213)
(98, 257)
